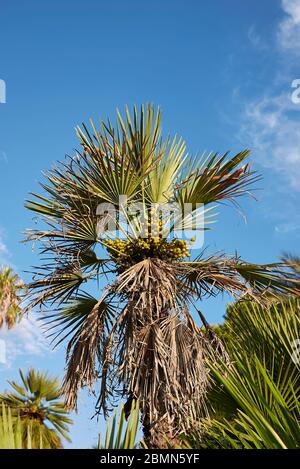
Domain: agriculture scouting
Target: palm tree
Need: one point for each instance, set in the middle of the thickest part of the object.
(11, 288)
(36, 403)
(139, 339)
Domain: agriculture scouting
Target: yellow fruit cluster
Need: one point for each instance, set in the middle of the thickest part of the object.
(138, 249)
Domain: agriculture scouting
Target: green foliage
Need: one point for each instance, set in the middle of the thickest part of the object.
(262, 386)
(121, 434)
(36, 404)
(12, 430)
(269, 329)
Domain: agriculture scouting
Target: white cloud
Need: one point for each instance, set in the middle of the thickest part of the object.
(289, 28)
(3, 248)
(271, 128)
(25, 339)
(288, 227)
(270, 123)
(256, 39)
(4, 253)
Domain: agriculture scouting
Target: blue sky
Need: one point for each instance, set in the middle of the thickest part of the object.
(221, 72)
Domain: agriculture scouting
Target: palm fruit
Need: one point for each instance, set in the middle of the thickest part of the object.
(130, 251)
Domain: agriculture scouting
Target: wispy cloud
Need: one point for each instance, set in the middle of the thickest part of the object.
(288, 34)
(25, 339)
(3, 157)
(4, 253)
(270, 123)
(288, 227)
(271, 127)
(256, 39)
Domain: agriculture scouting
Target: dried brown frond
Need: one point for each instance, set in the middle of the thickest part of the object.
(218, 274)
(83, 352)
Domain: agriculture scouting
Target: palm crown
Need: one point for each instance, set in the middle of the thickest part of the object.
(10, 297)
(37, 402)
(139, 338)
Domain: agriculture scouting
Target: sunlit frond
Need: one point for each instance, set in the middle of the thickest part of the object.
(214, 178)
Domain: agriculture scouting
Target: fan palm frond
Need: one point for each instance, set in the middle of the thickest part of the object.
(214, 178)
(258, 395)
(219, 273)
(268, 406)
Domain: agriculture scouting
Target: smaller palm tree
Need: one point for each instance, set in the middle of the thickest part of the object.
(37, 403)
(11, 287)
(255, 403)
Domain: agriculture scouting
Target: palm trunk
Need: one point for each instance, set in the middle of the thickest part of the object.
(162, 355)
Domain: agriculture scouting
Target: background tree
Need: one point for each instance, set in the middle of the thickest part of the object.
(139, 339)
(255, 403)
(36, 402)
(11, 289)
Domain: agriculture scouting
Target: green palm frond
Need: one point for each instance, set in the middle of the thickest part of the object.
(12, 430)
(275, 278)
(214, 178)
(262, 384)
(257, 328)
(58, 286)
(293, 262)
(69, 317)
(121, 435)
(10, 434)
(268, 404)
